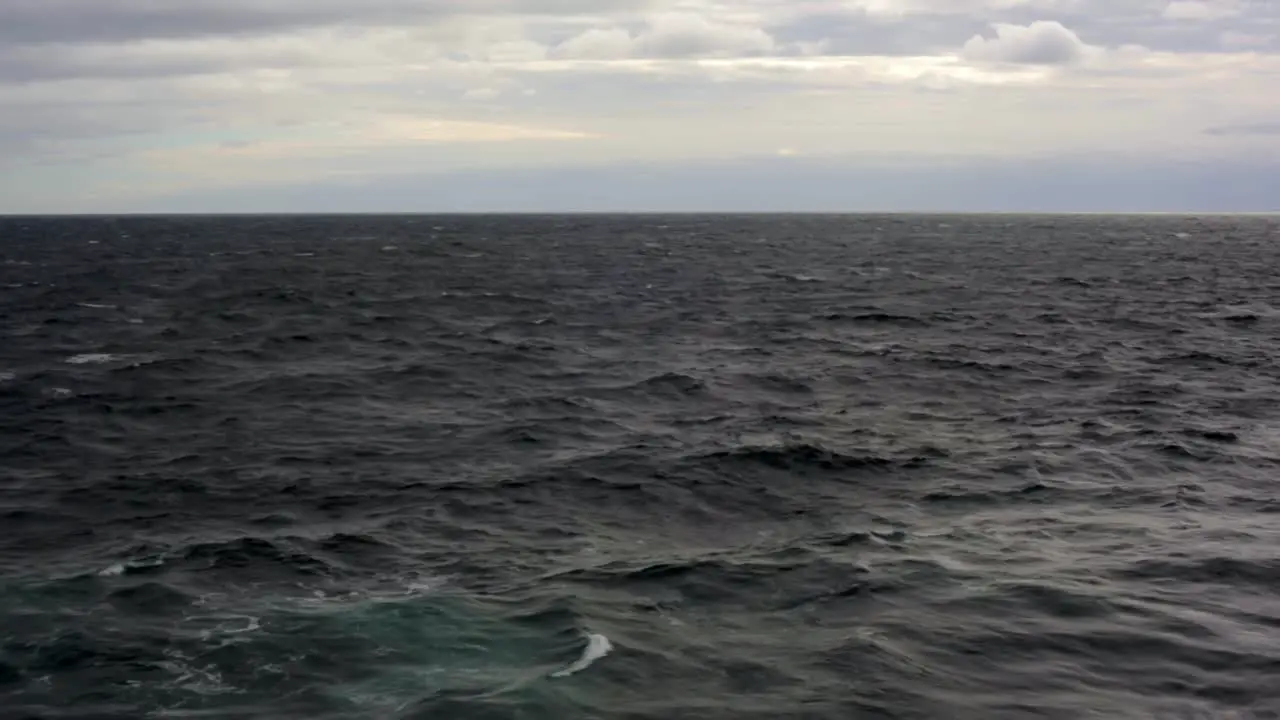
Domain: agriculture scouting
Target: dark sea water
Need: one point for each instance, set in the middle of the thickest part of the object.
(640, 467)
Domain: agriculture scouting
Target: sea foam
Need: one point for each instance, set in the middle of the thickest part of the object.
(597, 647)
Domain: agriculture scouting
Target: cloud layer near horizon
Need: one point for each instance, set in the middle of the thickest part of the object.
(141, 104)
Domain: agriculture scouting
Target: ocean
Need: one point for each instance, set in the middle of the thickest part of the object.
(640, 467)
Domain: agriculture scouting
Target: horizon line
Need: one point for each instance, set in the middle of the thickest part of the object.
(544, 213)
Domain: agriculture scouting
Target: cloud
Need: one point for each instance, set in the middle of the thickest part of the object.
(1040, 43)
(907, 8)
(158, 58)
(74, 21)
(1260, 128)
(345, 138)
(136, 96)
(482, 94)
(1198, 10)
(597, 44)
(1234, 39)
(672, 35)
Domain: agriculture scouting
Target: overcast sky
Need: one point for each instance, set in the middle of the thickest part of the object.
(600, 105)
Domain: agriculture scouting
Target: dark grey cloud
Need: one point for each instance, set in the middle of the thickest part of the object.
(26, 64)
(78, 21)
(55, 131)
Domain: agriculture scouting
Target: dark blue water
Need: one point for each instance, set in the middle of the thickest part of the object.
(640, 467)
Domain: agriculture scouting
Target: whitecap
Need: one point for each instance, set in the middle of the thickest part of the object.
(97, 306)
(123, 567)
(391, 591)
(421, 587)
(252, 624)
(7, 376)
(597, 647)
(199, 680)
(227, 624)
(91, 359)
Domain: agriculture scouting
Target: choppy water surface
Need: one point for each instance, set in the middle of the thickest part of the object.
(640, 467)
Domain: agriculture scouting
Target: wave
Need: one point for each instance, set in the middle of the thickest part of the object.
(1262, 572)
(1203, 358)
(1074, 282)
(778, 383)
(91, 359)
(132, 567)
(597, 647)
(150, 599)
(989, 368)
(875, 318)
(1034, 492)
(1010, 477)
(798, 457)
(670, 383)
(252, 555)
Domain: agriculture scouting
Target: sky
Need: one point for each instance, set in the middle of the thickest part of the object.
(639, 105)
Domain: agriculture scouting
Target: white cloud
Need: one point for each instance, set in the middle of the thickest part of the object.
(598, 44)
(1043, 42)
(902, 9)
(690, 35)
(669, 35)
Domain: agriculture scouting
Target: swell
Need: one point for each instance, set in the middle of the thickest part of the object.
(796, 457)
(837, 467)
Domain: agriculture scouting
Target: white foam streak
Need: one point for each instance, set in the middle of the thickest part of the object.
(91, 359)
(124, 567)
(597, 647)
